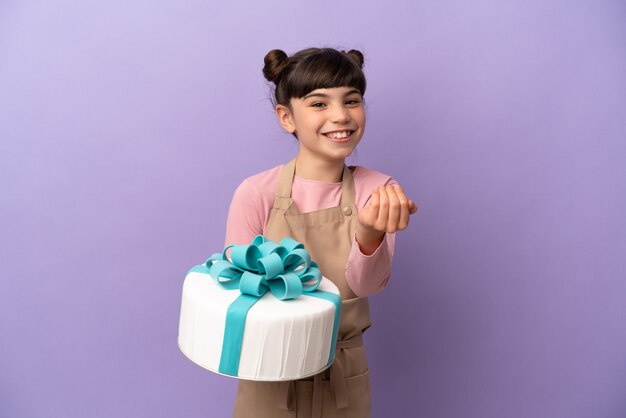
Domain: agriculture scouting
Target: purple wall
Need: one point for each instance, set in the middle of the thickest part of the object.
(125, 127)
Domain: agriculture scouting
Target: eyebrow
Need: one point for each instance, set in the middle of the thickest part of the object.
(327, 96)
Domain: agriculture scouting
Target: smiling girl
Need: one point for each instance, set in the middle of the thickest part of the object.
(346, 217)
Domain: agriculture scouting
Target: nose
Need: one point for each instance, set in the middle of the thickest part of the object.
(340, 114)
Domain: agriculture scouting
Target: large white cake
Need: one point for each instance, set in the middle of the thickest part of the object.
(282, 339)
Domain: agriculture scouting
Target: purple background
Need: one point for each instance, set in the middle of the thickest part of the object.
(126, 126)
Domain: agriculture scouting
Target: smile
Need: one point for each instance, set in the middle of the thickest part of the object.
(339, 136)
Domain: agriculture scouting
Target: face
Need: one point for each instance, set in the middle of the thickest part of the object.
(329, 123)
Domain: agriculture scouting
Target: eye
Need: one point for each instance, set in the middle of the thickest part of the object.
(318, 105)
(353, 102)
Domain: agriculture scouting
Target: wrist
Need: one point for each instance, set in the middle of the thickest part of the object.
(368, 239)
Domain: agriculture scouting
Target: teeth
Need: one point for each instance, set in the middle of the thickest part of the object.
(337, 135)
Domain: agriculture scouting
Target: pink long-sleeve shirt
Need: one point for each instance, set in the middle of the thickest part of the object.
(253, 199)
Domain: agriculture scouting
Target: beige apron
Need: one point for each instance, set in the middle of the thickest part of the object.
(343, 391)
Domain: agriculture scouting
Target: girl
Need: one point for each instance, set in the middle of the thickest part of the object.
(346, 217)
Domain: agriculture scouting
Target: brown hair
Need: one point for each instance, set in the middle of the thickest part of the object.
(310, 69)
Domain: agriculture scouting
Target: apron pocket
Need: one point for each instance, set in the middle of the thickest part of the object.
(359, 398)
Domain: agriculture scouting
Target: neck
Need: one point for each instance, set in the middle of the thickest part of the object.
(321, 170)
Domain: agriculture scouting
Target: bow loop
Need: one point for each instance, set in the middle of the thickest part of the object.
(271, 265)
(246, 257)
(297, 258)
(253, 284)
(286, 286)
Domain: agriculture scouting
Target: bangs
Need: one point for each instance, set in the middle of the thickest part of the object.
(327, 69)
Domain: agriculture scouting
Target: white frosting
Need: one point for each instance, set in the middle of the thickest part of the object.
(282, 340)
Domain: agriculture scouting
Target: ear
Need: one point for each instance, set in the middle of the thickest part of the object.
(285, 118)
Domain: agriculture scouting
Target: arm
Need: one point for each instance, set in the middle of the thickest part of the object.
(369, 274)
(369, 264)
(245, 216)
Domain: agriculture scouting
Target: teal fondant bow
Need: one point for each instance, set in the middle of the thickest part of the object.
(286, 270)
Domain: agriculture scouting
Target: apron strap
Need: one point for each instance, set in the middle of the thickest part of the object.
(286, 180)
(337, 378)
(348, 195)
(286, 395)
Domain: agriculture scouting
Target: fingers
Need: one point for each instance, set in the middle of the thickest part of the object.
(369, 215)
(394, 210)
(403, 220)
(411, 206)
(383, 210)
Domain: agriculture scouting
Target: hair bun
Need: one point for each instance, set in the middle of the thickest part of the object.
(275, 62)
(356, 56)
